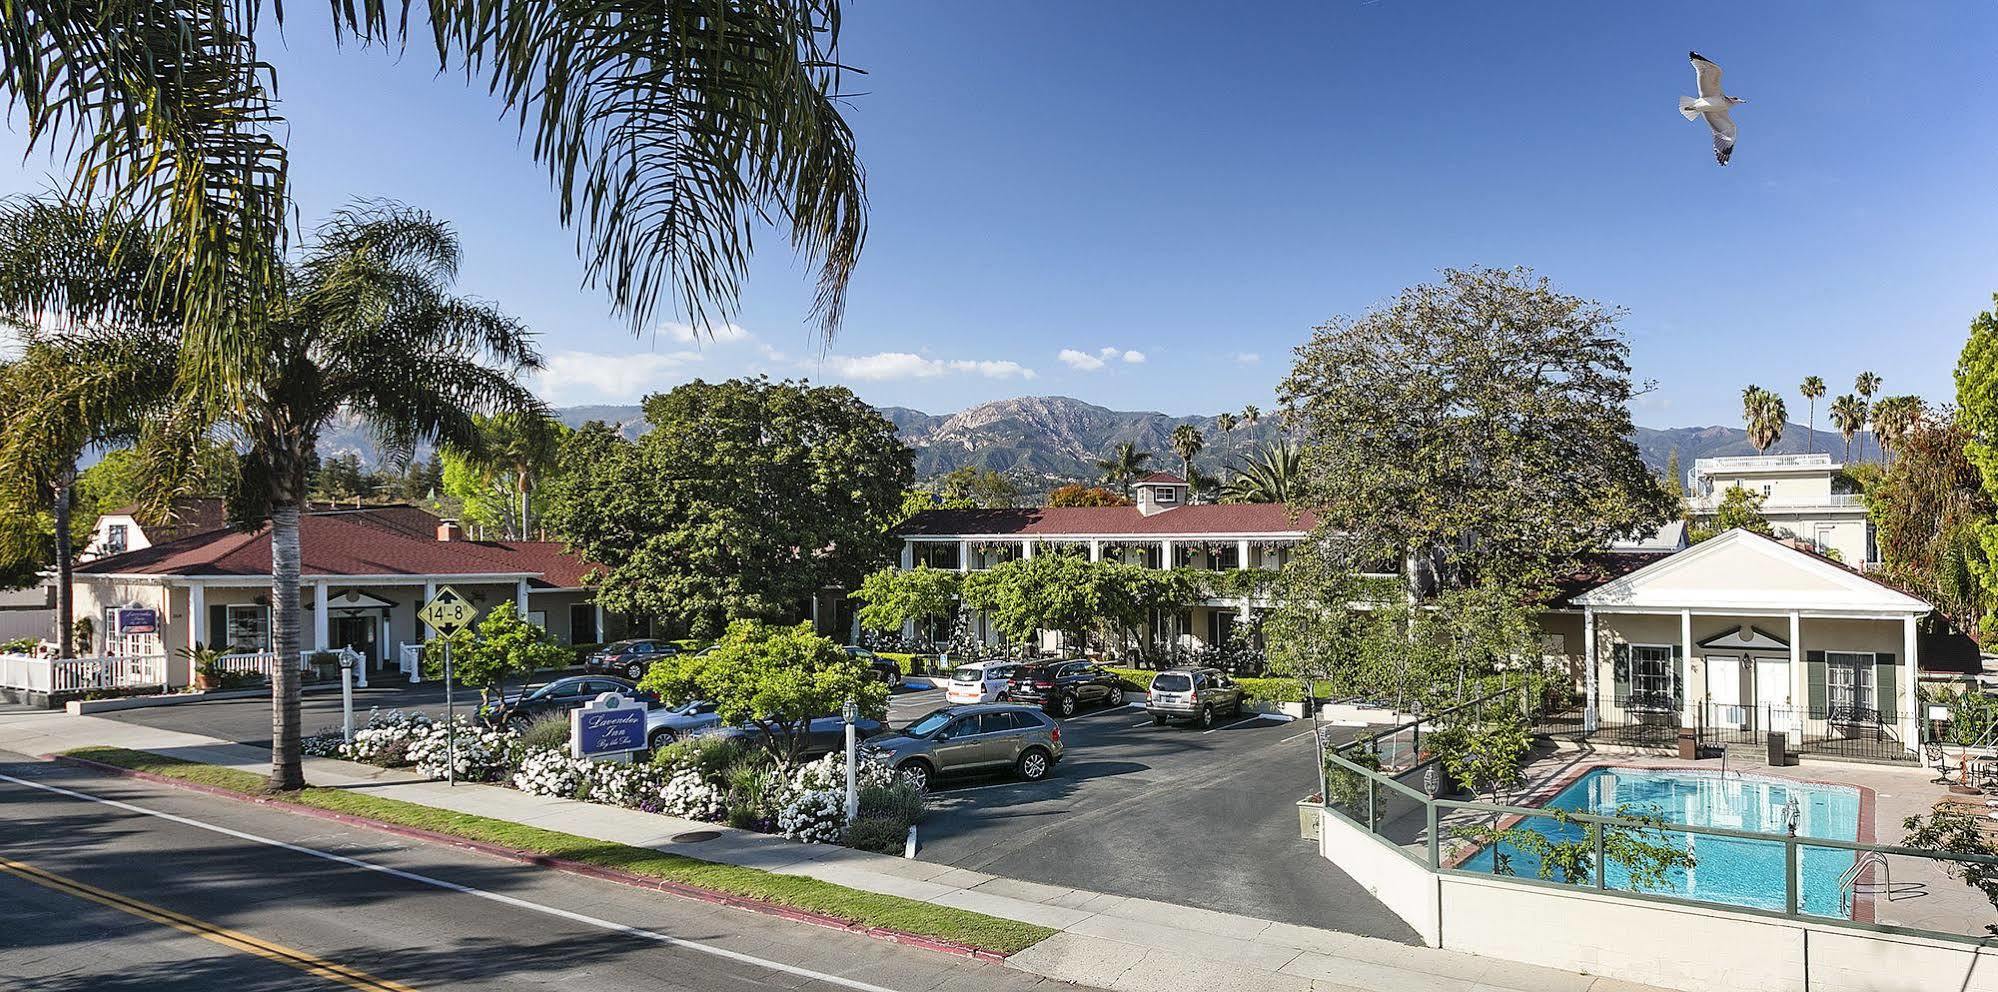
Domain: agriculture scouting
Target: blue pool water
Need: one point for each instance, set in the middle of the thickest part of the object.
(1728, 870)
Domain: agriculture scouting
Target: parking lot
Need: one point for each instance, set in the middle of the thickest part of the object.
(1173, 813)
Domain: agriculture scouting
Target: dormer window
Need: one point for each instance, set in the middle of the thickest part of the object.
(115, 540)
(1166, 496)
(1159, 492)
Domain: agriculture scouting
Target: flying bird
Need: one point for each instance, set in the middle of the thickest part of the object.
(1711, 104)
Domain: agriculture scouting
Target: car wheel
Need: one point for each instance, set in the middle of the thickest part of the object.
(518, 723)
(1034, 764)
(1116, 696)
(1158, 719)
(1065, 705)
(918, 772)
(661, 738)
(634, 671)
(894, 680)
(1206, 717)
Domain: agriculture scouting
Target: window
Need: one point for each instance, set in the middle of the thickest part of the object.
(115, 539)
(1651, 678)
(1767, 490)
(1165, 495)
(997, 723)
(248, 627)
(1849, 683)
(1554, 645)
(582, 624)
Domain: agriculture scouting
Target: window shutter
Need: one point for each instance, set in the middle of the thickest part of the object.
(218, 627)
(1678, 678)
(1814, 681)
(1620, 665)
(1886, 687)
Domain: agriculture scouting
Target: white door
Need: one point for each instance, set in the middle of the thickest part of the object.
(1772, 692)
(1724, 679)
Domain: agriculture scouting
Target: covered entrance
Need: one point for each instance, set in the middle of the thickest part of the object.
(359, 621)
(1748, 680)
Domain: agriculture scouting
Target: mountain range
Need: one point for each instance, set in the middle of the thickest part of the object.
(1040, 440)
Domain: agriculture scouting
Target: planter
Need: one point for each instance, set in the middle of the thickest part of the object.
(205, 682)
(1309, 811)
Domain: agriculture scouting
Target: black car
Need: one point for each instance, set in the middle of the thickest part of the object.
(630, 659)
(885, 670)
(518, 709)
(1062, 687)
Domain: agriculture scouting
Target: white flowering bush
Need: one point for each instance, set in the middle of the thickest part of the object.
(480, 754)
(548, 772)
(690, 795)
(829, 772)
(323, 746)
(617, 784)
(816, 816)
(387, 738)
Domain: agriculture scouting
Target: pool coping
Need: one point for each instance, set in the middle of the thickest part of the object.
(1862, 903)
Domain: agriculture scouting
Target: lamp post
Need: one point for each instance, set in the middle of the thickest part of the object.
(850, 711)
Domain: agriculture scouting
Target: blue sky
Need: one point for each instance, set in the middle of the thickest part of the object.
(1148, 205)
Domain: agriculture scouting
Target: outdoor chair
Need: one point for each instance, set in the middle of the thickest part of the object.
(1939, 760)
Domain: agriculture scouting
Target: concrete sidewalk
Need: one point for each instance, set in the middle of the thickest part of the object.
(1106, 941)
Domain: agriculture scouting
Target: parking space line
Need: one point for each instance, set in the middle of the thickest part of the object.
(1238, 723)
(1298, 737)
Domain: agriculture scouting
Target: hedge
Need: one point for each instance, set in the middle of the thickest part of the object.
(910, 663)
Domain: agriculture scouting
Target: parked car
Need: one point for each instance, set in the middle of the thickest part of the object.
(1065, 686)
(981, 682)
(824, 735)
(520, 708)
(630, 659)
(885, 670)
(666, 724)
(958, 739)
(1195, 694)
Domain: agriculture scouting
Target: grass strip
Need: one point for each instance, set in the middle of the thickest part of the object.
(871, 909)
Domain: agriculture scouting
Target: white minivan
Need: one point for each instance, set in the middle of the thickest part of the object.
(980, 682)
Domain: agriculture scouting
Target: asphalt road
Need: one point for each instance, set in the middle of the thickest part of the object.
(101, 897)
(249, 720)
(1172, 813)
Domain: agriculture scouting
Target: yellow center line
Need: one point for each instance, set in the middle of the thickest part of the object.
(232, 939)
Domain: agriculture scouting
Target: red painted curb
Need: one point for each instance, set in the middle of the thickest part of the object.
(556, 864)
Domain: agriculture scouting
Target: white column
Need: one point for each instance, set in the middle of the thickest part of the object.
(520, 597)
(964, 556)
(319, 622)
(1589, 709)
(1695, 671)
(1909, 717)
(598, 609)
(1241, 554)
(197, 616)
(908, 554)
(1095, 549)
(1799, 685)
(1165, 554)
(1027, 548)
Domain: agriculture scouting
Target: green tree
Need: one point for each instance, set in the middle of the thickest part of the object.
(1848, 415)
(497, 481)
(340, 478)
(744, 499)
(1866, 384)
(671, 132)
(1225, 423)
(370, 292)
(1187, 441)
(1929, 509)
(1763, 413)
(1478, 426)
(482, 500)
(1271, 478)
(1739, 508)
(121, 477)
(1125, 466)
(971, 487)
(1250, 416)
(773, 678)
(1077, 494)
(1813, 389)
(500, 646)
(1894, 418)
(893, 597)
(1675, 477)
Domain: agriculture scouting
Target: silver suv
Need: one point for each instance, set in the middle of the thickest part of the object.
(1195, 694)
(984, 737)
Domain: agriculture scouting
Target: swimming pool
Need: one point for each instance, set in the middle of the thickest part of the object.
(1728, 870)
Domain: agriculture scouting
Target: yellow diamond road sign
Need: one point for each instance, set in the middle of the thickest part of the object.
(447, 612)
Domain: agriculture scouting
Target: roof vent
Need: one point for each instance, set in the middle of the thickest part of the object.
(448, 530)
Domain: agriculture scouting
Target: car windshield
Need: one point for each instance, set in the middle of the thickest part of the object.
(968, 675)
(927, 724)
(1171, 683)
(691, 706)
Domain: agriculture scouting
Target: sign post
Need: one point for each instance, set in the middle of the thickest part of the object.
(347, 696)
(448, 613)
(850, 711)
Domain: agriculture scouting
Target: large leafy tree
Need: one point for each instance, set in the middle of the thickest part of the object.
(1077, 494)
(669, 131)
(745, 498)
(363, 323)
(1477, 429)
(1929, 508)
(892, 597)
(496, 483)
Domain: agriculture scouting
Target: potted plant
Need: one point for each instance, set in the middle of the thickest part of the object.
(207, 665)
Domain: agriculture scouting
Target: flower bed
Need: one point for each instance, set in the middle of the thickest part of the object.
(713, 779)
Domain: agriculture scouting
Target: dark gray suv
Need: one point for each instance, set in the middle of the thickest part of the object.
(980, 738)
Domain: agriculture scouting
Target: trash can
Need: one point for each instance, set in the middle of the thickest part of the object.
(1689, 744)
(1779, 749)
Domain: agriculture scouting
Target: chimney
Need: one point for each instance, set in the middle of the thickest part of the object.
(448, 530)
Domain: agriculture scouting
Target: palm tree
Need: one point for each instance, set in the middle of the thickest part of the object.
(1225, 423)
(1250, 416)
(1866, 384)
(1187, 441)
(1271, 478)
(1763, 413)
(670, 132)
(517, 446)
(1848, 414)
(1812, 387)
(368, 295)
(1894, 417)
(1124, 466)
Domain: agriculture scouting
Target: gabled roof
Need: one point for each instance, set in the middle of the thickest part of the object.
(1158, 478)
(1744, 571)
(1110, 521)
(353, 542)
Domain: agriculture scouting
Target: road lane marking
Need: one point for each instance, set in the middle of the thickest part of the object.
(233, 939)
(505, 900)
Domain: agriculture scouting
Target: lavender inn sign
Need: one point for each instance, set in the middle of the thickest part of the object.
(609, 726)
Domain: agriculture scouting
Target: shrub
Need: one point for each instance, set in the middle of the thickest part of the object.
(478, 754)
(710, 755)
(689, 795)
(829, 772)
(548, 773)
(547, 732)
(815, 816)
(900, 802)
(386, 739)
(584, 651)
(881, 834)
(615, 783)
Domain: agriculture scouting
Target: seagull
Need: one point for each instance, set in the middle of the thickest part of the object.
(1711, 104)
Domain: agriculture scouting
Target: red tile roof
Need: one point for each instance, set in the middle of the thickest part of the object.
(394, 541)
(1215, 518)
(1598, 568)
(1166, 477)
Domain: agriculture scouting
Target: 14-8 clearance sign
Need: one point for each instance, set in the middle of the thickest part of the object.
(447, 612)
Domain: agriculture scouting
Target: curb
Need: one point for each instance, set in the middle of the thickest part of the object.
(556, 864)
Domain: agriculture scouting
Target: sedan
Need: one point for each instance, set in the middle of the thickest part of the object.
(630, 659)
(666, 724)
(1062, 687)
(518, 709)
(885, 670)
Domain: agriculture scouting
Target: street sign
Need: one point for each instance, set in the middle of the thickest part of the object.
(447, 612)
(609, 725)
(138, 621)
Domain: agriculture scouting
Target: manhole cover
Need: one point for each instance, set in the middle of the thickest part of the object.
(695, 836)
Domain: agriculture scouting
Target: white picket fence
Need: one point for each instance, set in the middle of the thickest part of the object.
(59, 675)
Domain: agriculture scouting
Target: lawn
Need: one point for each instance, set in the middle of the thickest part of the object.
(963, 927)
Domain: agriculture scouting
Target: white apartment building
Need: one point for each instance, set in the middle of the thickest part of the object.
(1803, 496)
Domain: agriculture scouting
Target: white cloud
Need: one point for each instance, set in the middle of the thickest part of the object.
(685, 333)
(1107, 351)
(1081, 359)
(570, 378)
(1134, 358)
(905, 365)
(1247, 358)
